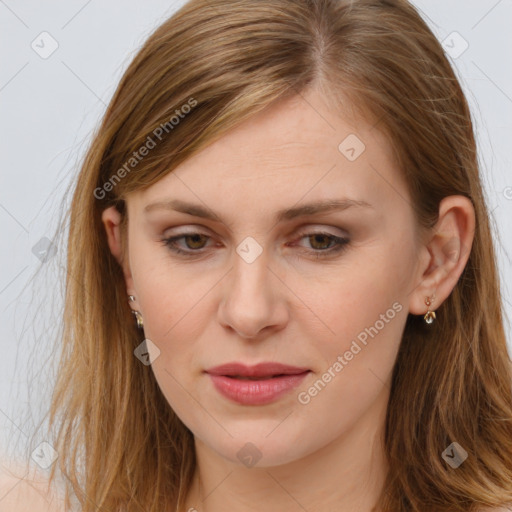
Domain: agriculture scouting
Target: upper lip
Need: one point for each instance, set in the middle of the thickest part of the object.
(259, 370)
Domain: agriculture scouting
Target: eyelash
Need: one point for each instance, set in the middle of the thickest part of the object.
(340, 244)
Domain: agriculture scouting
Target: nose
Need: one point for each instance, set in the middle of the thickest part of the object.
(253, 303)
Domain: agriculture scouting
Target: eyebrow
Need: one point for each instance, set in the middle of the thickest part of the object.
(282, 215)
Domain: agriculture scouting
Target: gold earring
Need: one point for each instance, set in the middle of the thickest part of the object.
(429, 315)
(138, 316)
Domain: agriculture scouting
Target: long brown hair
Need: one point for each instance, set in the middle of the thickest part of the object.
(120, 445)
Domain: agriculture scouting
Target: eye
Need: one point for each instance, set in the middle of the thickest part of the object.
(195, 238)
(323, 244)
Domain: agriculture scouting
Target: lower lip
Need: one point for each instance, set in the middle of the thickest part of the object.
(256, 392)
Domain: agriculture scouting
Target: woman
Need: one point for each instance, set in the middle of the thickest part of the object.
(281, 285)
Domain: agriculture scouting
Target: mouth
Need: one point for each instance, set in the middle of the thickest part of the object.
(264, 377)
(265, 370)
(256, 385)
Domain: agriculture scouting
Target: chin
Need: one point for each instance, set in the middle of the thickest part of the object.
(255, 449)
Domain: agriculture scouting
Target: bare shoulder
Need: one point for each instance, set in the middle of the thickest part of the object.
(27, 491)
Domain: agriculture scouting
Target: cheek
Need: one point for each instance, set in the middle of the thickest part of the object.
(174, 313)
(176, 309)
(367, 314)
(167, 291)
(347, 300)
(359, 317)
(368, 331)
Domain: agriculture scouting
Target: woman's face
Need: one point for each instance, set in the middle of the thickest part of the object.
(255, 285)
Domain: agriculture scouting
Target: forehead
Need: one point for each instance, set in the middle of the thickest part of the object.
(296, 149)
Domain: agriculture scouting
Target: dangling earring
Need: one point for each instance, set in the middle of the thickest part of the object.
(429, 315)
(138, 316)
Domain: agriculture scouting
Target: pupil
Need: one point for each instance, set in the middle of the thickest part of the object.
(316, 237)
(195, 239)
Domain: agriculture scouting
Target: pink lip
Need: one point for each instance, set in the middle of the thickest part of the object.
(275, 379)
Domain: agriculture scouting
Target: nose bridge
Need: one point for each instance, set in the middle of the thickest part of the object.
(250, 265)
(249, 302)
(249, 277)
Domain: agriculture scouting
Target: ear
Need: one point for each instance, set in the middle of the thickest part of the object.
(112, 218)
(445, 255)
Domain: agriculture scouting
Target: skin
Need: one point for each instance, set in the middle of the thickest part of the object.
(287, 305)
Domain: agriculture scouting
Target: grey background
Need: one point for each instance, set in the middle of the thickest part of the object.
(49, 108)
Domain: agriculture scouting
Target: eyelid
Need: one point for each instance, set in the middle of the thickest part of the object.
(340, 242)
(321, 229)
(195, 229)
(301, 230)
